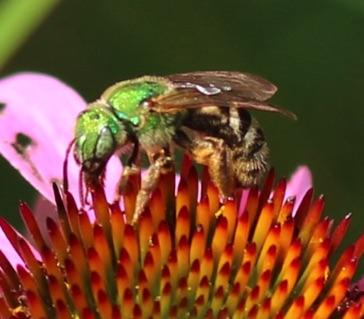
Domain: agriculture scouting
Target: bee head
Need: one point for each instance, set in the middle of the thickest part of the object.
(98, 134)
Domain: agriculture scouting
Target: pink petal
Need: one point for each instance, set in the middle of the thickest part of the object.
(297, 186)
(299, 183)
(11, 254)
(43, 209)
(8, 250)
(44, 109)
(359, 286)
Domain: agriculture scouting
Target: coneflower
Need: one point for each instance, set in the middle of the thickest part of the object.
(267, 253)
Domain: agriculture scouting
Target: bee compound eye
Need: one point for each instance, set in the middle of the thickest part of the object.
(105, 144)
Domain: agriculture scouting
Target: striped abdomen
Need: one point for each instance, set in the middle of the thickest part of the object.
(250, 156)
(246, 148)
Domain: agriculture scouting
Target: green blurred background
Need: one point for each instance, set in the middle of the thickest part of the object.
(312, 50)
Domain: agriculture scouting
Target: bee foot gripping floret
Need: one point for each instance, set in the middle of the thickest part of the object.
(123, 181)
(149, 183)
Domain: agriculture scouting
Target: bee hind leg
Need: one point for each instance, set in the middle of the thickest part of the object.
(161, 163)
(213, 153)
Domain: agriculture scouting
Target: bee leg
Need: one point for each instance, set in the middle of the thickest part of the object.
(161, 163)
(123, 180)
(129, 169)
(213, 153)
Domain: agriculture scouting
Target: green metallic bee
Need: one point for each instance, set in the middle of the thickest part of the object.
(204, 113)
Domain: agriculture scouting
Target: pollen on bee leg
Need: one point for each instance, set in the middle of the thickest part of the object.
(141, 201)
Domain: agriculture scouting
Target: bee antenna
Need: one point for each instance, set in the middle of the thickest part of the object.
(80, 188)
(65, 166)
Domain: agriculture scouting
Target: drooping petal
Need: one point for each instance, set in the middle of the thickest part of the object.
(37, 115)
(299, 183)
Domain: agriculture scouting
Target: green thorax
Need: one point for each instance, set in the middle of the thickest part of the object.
(125, 98)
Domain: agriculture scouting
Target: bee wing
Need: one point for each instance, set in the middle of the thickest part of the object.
(221, 88)
(214, 82)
